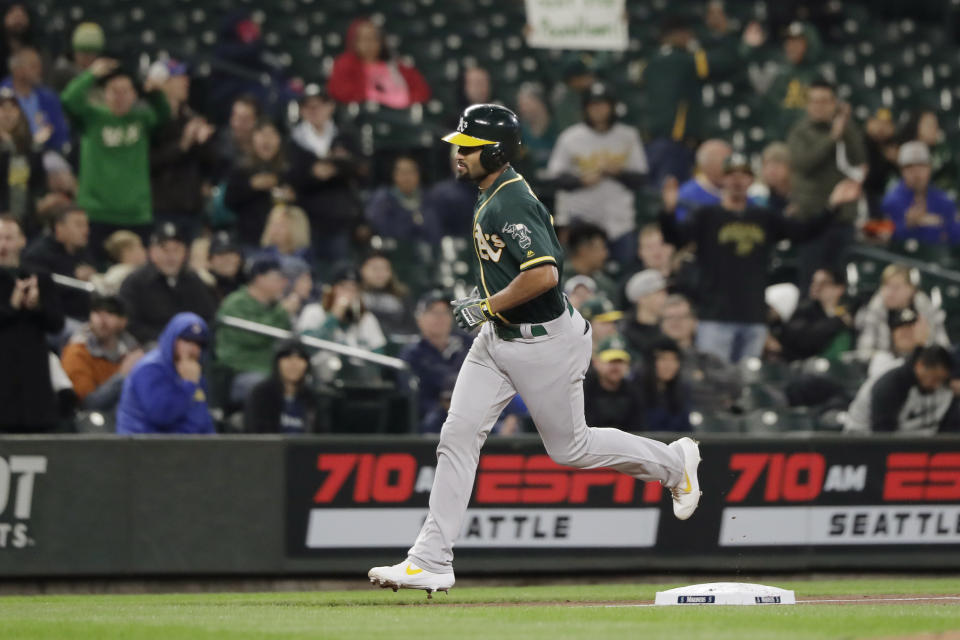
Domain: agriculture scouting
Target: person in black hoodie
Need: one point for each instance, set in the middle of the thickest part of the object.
(29, 309)
(284, 402)
(819, 321)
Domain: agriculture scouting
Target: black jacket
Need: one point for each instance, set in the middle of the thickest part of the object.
(177, 176)
(251, 206)
(332, 205)
(151, 301)
(622, 408)
(808, 332)
(264, 408)
(46, 255)
(26, 394)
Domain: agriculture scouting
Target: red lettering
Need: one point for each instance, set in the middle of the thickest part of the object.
(774, 478)
(943, 481)
(364, 478)
(580, 486)
(651, 492)
(405, 467)
(796, 490)
(750, 465)
(339, 465)
(545, 481)
(905, 478)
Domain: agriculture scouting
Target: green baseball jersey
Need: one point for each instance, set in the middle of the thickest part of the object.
(513, 232)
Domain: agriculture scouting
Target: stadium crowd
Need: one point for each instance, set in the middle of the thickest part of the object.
(133, 224)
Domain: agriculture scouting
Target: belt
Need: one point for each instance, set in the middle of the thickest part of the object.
(513, 332)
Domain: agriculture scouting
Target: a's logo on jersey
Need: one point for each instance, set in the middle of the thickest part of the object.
(484, 241)
(530, 254)
(519, 232)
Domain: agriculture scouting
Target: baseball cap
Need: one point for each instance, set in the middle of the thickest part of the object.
(580, 281)
(167, 231)
(88, 37)
(224, 242)
(261, 266)
(914, 152)
(737, 162)
(600, 309)
(195, 332)
(901, 317)
(613, 348)
(644, 283)
(598, 92)
(314, 90)
(429, 299)
(345, 272)
(796, 30)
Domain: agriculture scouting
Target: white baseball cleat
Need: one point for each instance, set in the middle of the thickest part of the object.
(686, 495)
(408, 575)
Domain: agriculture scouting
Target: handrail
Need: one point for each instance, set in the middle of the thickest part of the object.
(310, 341)
(72, 283)
(924, 266)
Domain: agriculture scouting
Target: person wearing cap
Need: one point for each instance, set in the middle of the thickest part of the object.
(908, 332)
(101, 354)
(325, 167)
(164, 286)
(604, 318)
(182, 155)
(596, 165)
(610, 397)
(734, 241)
(285, 402)
(165, 392)
(439, 353)
(247, 354)
(821, 325)
(913, 398)
(341, 317)
(826, 148)
(587, 255)
(799, 68)
(114, 181)
(579, 290)
(646, 291)
(39, 103)
(225, 263)
(919, 210)
(86, 45)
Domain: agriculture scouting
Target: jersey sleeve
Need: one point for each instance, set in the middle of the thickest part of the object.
(528, 236)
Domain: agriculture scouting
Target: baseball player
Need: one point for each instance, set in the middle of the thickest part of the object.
(531, 342)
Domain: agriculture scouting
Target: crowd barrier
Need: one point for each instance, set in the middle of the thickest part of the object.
(263, 505)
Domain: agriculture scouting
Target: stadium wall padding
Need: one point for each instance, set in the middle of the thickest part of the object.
(336, 505)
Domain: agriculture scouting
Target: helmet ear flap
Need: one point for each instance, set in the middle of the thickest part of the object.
(492, 157)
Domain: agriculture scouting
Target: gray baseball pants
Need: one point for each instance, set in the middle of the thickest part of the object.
(548, 373)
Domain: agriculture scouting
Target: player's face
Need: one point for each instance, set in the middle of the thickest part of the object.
(468, 164)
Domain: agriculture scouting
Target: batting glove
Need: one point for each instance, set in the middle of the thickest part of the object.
(471, 312)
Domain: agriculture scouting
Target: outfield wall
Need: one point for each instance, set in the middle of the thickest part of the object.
(261, 505)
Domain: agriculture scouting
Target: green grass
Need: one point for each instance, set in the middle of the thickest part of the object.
(407, 614)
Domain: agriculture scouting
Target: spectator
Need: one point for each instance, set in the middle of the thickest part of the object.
(450, 203)
(24, 178)
(908, 332)
(284, 402)
(325, 170)
(64, 252)
(610, 397)
(918, 209)
(18, 29)
(126, 251)
(665, 399)
(825, 148)
(539, 132)
(647, 291)
(898, 290)
(257, 182)
(432, 421)
(912, 398)
(881, 145)
(286, 235)
(772, 191)
(166, 392)
(734, 241)
(341, 317)
(587, 246)
(703, 189)
(596, 166)
(678, 269)
(367, 72)
(474, 87)
(114, 185)
(182, 154)
(714, 384)
(566, 99)
(579, 290)
(40, 105)
(438, 354)
(821, 325)
(225, 264)
(87, 43)
(236, 140)
(603, 317)
(924, 126)
(397, 211)
(29, 309)
(164, 286)
(101, 354)
(385, 296)
(247, 354)
(796, 74)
